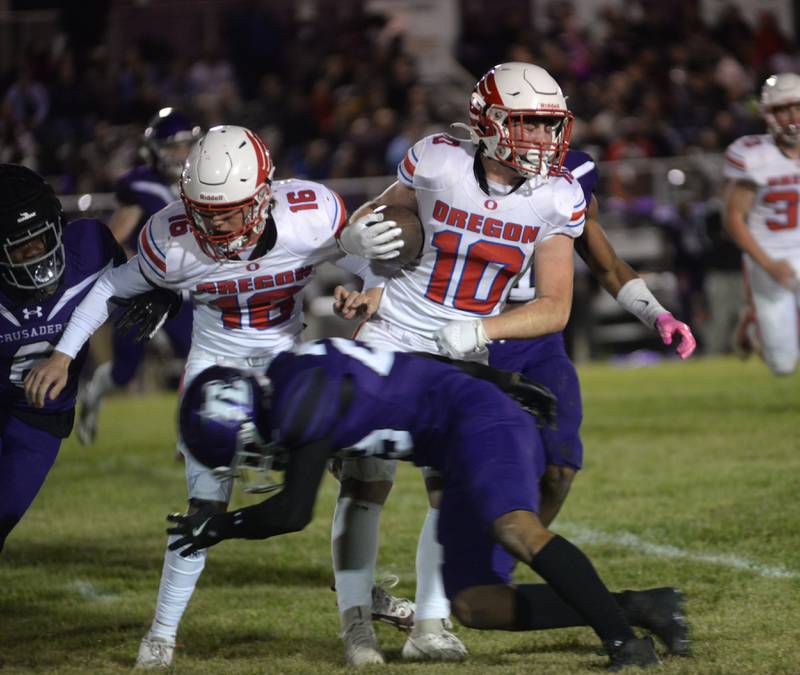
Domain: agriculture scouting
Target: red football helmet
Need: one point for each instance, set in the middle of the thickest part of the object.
(503, 101)
(228, 170)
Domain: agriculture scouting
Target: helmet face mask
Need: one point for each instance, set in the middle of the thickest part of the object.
(780, 104)
(253, 462)
(31, 248)
(38, 273)
(515, 148)
(506, 105)
(223, 245)
(218, 418)
(227, 171)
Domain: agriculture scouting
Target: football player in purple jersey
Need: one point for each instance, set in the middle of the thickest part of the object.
(338, 397)
(46, 268)
(141, 192)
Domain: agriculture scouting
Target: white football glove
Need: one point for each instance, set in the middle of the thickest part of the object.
(372, 237)
(458, 338)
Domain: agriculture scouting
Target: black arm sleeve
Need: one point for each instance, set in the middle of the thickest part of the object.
(288, 511)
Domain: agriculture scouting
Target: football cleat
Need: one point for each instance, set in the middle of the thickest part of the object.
(88, 410)
(154, 652)
(659, 611)
(361, 646)
(638, 652)
(439, 645)
(398, 612)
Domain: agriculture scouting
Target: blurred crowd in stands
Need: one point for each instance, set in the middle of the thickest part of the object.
(336, 94)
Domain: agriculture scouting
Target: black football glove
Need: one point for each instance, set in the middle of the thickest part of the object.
(196, 530)
(537, 399)
(146, 313)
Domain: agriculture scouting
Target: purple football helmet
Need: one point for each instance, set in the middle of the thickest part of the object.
(221, 413)
(167, 141)
(30, 214)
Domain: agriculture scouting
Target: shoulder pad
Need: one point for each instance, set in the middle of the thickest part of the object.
(89, 243)
(157, 235)
(436, 162)
(569, 204)
(746, 154)
(308, 215)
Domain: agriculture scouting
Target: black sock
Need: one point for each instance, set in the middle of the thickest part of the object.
(539, 607)
(571, 575)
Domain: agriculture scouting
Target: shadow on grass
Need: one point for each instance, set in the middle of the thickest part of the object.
(111, 561)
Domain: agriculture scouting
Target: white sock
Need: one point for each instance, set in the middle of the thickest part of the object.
(178, 579)
(431, 600)
(354, 548)
(101, 383)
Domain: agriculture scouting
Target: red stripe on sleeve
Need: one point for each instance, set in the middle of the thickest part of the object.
(148, 249)
(409, 166)
(338, 227)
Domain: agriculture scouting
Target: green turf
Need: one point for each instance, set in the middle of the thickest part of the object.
(701, 456)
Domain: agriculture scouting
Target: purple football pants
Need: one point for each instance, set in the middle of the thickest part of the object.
(492, 466)
(544, 360)
(26, 455)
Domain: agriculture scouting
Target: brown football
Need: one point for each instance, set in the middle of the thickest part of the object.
(413, 235)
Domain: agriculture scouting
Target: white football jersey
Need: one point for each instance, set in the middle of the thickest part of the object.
(773, 219)
(247, 308)
(476, 246)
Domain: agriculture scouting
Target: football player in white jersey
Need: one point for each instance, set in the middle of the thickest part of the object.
(244, 248)
(761, 215)
(490, 206)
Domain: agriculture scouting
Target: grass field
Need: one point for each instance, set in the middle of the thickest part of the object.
(692, 479)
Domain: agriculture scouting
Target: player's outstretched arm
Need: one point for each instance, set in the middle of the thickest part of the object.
(630, 290)
(289, 511)
(123, 222)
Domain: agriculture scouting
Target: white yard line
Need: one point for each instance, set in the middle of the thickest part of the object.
(580, 534)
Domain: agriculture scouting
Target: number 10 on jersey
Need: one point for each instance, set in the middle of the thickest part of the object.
(479, 258)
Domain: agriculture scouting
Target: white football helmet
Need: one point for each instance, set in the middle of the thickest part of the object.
(228, 169)
(503, 99)
(781, 90)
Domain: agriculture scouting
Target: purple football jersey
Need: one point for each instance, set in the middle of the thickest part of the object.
(582, 167)
(146, 188)
(406, 406)
(29, 332)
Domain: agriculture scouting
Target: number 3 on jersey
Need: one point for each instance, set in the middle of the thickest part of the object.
(487, 269)
(784, 203)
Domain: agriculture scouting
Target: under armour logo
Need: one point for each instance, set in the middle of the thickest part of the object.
(28, 313)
